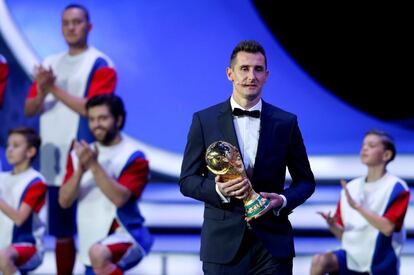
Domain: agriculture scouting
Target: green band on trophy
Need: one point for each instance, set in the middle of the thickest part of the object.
(256, 207)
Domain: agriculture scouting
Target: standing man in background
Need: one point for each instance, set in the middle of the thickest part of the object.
(62, 85)
(269, 141)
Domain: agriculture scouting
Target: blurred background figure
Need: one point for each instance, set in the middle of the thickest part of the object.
(369, 219)
(62, 85)
(107, 178)
(22, 197)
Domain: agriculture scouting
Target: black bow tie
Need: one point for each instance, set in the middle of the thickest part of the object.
(240, 112)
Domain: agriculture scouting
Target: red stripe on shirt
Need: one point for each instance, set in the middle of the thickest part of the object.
(32, 91)
(135, 176)
(69, 168)
(397, 210)
(338, 214)
(4, 72)
(103, 82)
(35, 196)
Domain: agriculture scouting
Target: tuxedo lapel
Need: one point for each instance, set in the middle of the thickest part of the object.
(225, 122)
(265, 135)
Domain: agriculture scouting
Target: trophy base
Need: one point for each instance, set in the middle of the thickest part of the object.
(256, 205)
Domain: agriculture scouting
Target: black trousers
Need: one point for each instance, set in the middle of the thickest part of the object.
(252, 259)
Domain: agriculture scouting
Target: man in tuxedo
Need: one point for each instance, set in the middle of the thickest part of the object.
(269, 140)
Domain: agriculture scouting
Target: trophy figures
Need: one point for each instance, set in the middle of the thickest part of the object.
(224, 159)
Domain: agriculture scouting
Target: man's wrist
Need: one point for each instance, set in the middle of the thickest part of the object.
(222, 197)
(94, 166)
(279, 208)
(53, 89)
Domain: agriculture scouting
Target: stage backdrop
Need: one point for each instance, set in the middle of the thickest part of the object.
(171, 58)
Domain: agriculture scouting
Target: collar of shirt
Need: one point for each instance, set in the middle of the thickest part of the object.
(234, 104)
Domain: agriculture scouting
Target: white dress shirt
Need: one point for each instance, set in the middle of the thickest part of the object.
(247, 131)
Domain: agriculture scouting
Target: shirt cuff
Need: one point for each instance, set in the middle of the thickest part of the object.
(276, 211)
(223, 198)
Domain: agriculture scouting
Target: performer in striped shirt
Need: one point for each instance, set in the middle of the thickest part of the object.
(22, 197)
(107, 178)
(63, 84)
(369, 218)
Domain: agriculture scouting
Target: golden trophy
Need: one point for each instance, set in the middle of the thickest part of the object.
(224, 159)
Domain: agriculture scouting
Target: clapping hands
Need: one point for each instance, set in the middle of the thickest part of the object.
(45, 79)
(87, 156)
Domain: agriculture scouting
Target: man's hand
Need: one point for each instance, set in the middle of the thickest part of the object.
(86, 155)
(350, 200)
(276, 201)
(238, 188)
(45, 79)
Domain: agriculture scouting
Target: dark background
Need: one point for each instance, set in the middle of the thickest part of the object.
(361, 53)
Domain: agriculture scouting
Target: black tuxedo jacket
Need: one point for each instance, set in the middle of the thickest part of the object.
(280, 145)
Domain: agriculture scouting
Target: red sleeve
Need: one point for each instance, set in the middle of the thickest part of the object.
(338, 214)
(396, 212)
(32, 91)
(103, 82)
(135, 176)
(69, 168)
(35, 196)
(4, 72)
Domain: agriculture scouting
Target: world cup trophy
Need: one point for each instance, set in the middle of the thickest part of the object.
(224, 159)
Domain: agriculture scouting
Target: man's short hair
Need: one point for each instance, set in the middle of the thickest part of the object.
(31, 136)
(249, 46)
(387, 140)
(78, 6)
(114, 103)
